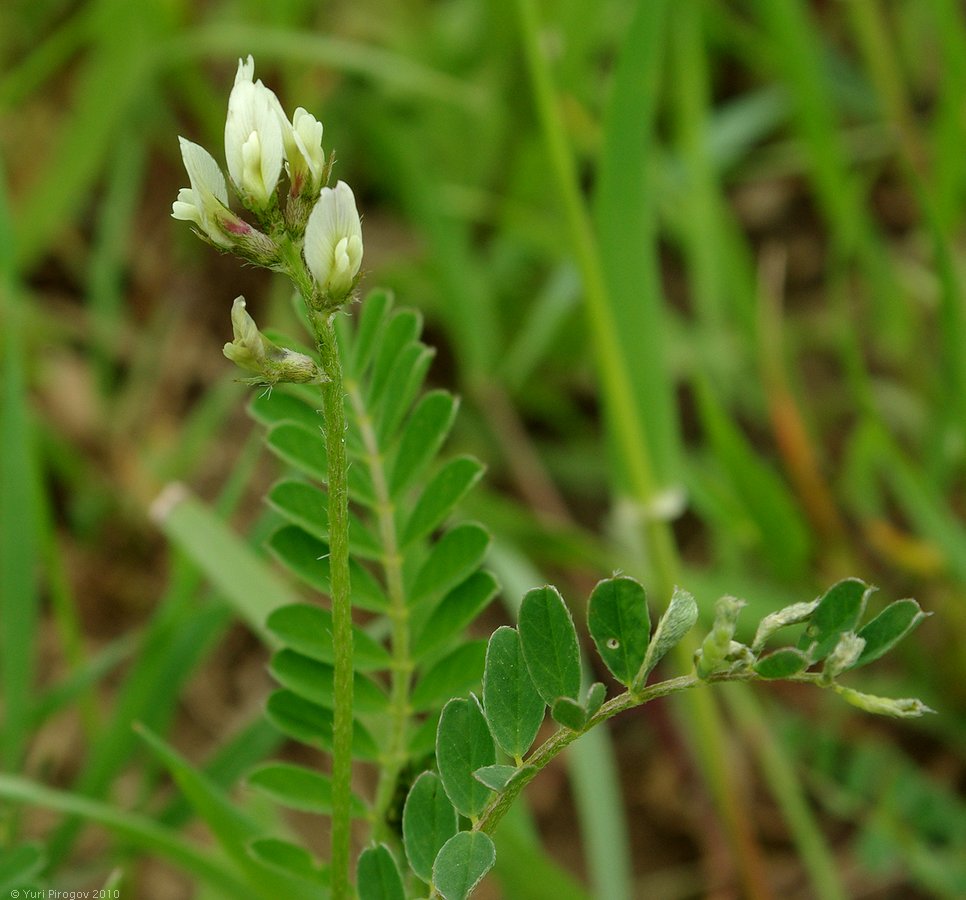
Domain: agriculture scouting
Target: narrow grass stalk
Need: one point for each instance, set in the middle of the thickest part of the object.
(631, 441)
(816, 856)
(333, 411)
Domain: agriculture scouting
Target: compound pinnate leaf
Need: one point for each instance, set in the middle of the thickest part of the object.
(888, 628)
(461, 864)
(455, 674)
(839, 610)
(677, 621)
(463, 745)
(308, 629)
(438, 499)
(781, 663)
(455, 557)
(377, 876)
(421, 438)
(549, 642)
(511, 702)
(429, 821)
(618, 621)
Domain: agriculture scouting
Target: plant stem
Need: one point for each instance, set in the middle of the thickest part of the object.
(333, 411)
(564, 737)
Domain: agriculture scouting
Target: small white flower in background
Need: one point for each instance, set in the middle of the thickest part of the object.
(255, 135)
(333, 241)
(303, 147)
(252, 351)
(206, 201)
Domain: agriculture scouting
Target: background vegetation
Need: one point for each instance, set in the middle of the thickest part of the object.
(733, 230)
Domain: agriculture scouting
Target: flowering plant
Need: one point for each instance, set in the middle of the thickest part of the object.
(448, 722)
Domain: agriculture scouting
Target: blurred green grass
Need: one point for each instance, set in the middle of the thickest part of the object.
(778, 210)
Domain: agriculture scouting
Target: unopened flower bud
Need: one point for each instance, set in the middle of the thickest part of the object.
(719, 648)
(900, 708)
(306, 158)
(333, 242)
(269, 364)
(845, 655)
(254, 137)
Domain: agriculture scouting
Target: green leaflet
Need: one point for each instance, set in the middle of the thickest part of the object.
(549, 642)
(298, 788)
(312, 724)
(455, 674)
(618, 621)
(496, 778)
(404, 383)
(372, 321)
(883, 632)
(464, 860)
(304, 450)
(289, 859)
(402, 329)
(378, 876)
(275, 407)
(454, 612)
(306, 506)
(514, 708)
(313, 681)
(308, 558)
(438, 499)
(300, 448)
(839, 610)
(782, 663)
(677, 621)
(429, 821)
(453, 559)
(308, 629)
(421, 438)
(463, 745)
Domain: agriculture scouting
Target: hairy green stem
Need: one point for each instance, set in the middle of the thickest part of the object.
(333, 411)
(400, 713)
(564, 737)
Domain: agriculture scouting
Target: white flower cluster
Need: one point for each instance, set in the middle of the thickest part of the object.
(261, 142)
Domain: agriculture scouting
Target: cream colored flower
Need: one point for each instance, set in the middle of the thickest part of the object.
(333, 241)
(205, 203)
(254, 137)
